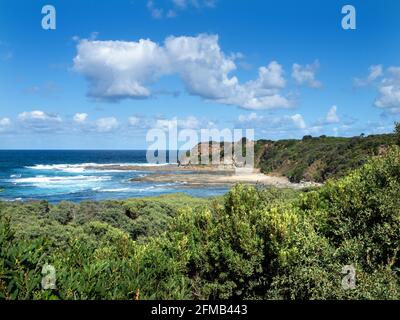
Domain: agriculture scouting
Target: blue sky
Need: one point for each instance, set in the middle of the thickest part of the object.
(112, 70)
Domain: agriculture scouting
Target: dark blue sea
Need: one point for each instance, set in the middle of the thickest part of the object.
(56, 175)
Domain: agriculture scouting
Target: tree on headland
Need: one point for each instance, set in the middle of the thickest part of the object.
(397, 132)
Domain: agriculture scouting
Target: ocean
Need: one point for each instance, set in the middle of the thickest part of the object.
(56, 175)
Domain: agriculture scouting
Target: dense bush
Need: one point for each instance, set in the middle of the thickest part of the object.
(319, 158)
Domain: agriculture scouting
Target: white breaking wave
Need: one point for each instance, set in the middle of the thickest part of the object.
(60, 182)
(156, 188)
(72, 168)
(116, 190)
(90, 167)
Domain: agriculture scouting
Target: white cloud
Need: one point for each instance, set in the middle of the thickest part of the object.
(286, 122)
(281, 127)
(374, 72)
(40, 121)
(394, 72)
(389, 98)
(387, 83)
(134, 121)
(332, 116)
(80, 117)
(106, 124)
(190, 122)
(165, 124)
(298, 121)
(118, 69)
(250, 117)
(5, 124)
(202, 65)
(38, 115)
(389, 91)
(272, 76)
(305, 75)
(172, 6)
(156, 13)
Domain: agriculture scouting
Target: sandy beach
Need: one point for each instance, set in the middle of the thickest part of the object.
(196, 176)
(203, 179)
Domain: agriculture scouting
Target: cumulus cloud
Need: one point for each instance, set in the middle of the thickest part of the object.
(272, 76)
(5, 124)
(104, 125)
(80, 117)
(332, 116)
(298, 121)
(389, 91)
(38, 115)
(119, 69)
(40, 121)
(387, 83)
(305, 75)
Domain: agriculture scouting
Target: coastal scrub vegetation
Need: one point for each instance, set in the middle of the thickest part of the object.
(252, 243)
(319, 158)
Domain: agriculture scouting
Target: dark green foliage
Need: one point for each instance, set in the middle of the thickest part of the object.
(20, 264)
(92, 247)
(364, 209)
(397, 132)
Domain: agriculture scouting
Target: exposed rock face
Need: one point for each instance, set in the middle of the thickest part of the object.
(225, 154)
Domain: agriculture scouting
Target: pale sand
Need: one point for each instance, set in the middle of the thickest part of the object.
(192, 180)
(196, 176)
